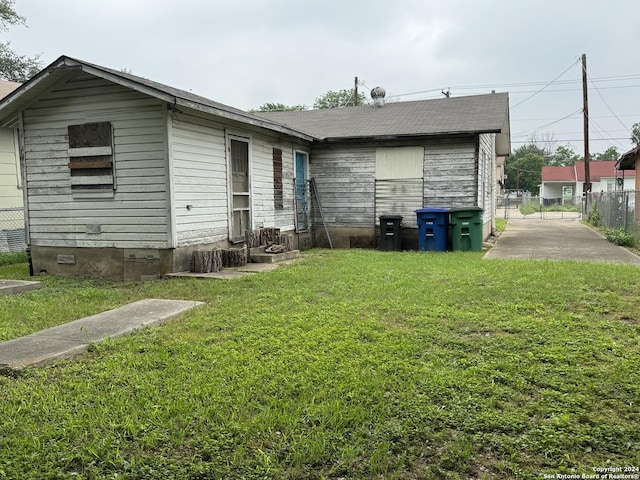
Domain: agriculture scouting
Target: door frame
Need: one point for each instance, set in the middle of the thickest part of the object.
(305, 185)
(240, 137)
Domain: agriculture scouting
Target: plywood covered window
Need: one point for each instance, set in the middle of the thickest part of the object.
(91, 159)
(278, 196)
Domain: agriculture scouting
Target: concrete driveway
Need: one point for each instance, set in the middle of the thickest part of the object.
(557, 240)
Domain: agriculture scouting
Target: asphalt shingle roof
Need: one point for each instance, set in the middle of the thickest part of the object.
(472, 114)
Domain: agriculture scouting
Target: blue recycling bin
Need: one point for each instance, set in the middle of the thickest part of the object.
(433, 228)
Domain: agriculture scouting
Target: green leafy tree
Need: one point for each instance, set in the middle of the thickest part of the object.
(524, 168)
(610, 153)
(563, 156)
(278, 107)
(14, 67)
(341, 98)
(635, 133)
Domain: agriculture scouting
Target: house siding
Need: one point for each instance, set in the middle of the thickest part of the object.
(265, 215)
(345, 179)
(137, 215)
(487, 181)
(10, 194)
(454, 172)
(450, 175)
(199, 180)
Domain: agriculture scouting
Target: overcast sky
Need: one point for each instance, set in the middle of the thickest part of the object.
(248, 52)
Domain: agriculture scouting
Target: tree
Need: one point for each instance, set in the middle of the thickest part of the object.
(278, 107)
(342, 98)
(635, 133)
(524, 168)
(564, 156)
(14, 67)
(610, 153)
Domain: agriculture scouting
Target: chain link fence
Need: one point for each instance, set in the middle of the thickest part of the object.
(525, 206)
(12, 231)
(617, 210)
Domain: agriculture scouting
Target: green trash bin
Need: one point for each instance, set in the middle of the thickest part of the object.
(466, 229)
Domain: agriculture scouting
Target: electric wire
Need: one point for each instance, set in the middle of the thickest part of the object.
(607, 105)
(550, 83)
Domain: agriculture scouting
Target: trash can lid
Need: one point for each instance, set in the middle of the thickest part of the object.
(466, 209)
(390, 217)
(432, 210)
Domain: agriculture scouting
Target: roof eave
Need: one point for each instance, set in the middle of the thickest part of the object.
(403, 136)
(177, 100)
(628, 160)
(250, 120)
(66, 66)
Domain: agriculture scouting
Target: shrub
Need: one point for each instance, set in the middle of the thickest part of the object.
(594, 216)
(12, 258)
(530, 208)
(620, 236)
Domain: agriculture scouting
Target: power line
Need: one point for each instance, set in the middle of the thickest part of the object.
(551, 123)
(550, 83)
(568, 140)
(605, 102)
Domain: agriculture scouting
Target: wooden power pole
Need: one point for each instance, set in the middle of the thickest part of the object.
(355, 91)
(585, 103)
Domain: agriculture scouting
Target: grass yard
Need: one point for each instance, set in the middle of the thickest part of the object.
(346, 365)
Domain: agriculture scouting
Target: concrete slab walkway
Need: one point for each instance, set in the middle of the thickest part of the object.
(12, 287)
(557, 240)
(75, 337)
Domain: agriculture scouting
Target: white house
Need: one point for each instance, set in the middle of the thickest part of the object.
(126, 177)
(565, 184)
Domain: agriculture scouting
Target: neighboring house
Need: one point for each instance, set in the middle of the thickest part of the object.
(10, 176)
(127, 177)
(394, 158)
(565, 184)
(627, 163)
(12, 231)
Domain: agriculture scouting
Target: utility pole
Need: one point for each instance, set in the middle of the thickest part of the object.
(587, 176)
(355, 91)
(517, 188)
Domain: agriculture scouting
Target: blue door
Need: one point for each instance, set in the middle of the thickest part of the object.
(302, 191)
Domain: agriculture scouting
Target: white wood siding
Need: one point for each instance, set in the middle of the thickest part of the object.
(137, 215)
(487, 180)
(200, 180)
(345, 178)
(10, 194)
(264, 211)
(450, 176)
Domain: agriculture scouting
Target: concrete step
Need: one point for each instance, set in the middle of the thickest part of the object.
(258, 255)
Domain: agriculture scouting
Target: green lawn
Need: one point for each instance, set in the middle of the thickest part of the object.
(347, 364)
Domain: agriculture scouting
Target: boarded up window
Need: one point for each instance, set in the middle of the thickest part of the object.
(278, 198)
(91, 159)
(399, 162)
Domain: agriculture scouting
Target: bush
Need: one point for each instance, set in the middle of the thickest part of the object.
(11, 258)
(530, 208)
(594, 216)
(620, 236)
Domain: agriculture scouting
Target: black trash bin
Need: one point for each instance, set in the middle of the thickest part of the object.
(390, 233)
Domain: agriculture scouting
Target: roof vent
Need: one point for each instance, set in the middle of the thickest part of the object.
(377, 94)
